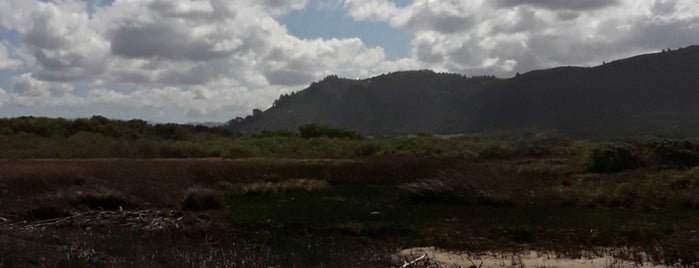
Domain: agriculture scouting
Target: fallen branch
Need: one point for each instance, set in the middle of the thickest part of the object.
(474, 264)
(413, 262)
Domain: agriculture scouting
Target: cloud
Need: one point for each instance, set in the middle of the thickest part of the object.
(278, 7)
(501, 37)
(446, 17)
(58, 35)
(300, 61)
(156, 40)
(221, 98)
(28, 91)
(559, 4)
(378, 10)
(6, 61)
(4, 97)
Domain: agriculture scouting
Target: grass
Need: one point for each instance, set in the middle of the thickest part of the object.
(344, 213)
(201, 199)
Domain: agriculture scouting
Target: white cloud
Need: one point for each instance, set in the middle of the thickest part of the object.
(379, 10)
(297, 62)
(157, 53)
(6, 61)
(58, 36)
(4, 98)
(28, 91)
(560, 5)
(505, 36)
(224, 97)
(278, 7)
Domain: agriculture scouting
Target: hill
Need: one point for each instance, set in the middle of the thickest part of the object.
(652, 94)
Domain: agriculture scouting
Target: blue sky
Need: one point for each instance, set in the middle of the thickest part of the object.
(213, 60)
(336, 23)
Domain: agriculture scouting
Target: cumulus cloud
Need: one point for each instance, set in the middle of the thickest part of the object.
(300, 61)
(6, 61)
(278, 7)
(224, 97)
(380, 10)
(29, 91)
(58, 36)
(156, 40)
(501, 37)
(4, 98)
(558, 4)
(157, 53)
(446, 17)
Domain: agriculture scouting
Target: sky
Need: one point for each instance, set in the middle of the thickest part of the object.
(213, 60)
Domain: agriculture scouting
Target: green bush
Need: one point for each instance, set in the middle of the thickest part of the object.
(367, 149)
(173, 131)
(309, 131)
(201, 199)
(676, 153)
(238, 151)
(611, 157)
(275, 133)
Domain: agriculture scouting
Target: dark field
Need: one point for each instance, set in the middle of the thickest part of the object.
(335, 213)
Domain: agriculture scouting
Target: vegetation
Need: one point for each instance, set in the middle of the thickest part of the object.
(282, 212)
(676, 153)
(310, 131)
(332, 196)
(98, 137)
(612, 157)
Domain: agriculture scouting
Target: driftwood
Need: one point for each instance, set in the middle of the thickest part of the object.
(473, 264)
(146, 219)
(415, 261)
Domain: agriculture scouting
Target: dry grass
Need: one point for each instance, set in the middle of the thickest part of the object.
(45, 189)
(161, 182)
(199, 198)
(266, 187)
(554, 182)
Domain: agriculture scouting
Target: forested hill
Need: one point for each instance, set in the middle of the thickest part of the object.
(653, 94)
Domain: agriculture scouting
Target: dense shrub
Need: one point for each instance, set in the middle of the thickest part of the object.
(201, 199)
(611, 157)
(676, 153)
(541, 145)
(275, 133)
(173, 131)
(316, 131)
(367, 149)
(41, 126)
(238, 151)
(176, 150)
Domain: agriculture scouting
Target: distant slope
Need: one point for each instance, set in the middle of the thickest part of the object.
(403, 102)
(648, 94)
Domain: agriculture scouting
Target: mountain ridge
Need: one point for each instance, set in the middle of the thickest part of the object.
(650, 94)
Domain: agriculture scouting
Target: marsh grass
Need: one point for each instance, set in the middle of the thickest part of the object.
(267, 187)
(317, 212)
(199, 198)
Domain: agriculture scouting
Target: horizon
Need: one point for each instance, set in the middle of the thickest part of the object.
(118, 59)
